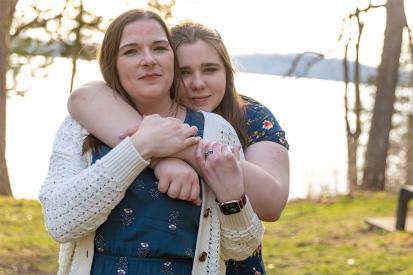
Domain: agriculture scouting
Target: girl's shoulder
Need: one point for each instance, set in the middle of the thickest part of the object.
(255, 108)
(262, 124)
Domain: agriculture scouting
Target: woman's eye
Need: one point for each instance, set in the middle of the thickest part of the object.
(130, 51)
(160, 48)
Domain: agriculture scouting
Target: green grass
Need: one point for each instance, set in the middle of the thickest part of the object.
(331, 237)
(25, 246)
(328, 236)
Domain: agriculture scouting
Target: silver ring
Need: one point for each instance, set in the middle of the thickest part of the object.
(209, 152)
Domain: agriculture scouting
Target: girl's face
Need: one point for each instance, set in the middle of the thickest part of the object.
(145, 64)
(203, 76)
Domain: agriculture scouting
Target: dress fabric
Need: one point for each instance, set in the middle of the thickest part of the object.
(261, 126)
(148, 232)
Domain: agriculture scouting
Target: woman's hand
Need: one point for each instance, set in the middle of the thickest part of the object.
(178, 180)
(221, 169)
(161, 137)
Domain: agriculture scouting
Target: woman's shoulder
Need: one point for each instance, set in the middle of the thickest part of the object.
(70, 125)
(213, 117)
(70, 131)
(217, 128)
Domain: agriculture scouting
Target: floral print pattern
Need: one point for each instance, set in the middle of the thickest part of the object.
(267, 125)
(253, 265)
(262, 125)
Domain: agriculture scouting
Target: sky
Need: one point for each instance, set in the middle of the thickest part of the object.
(279, 26)
(270, 26)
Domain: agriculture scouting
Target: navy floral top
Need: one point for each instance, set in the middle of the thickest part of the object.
(261, 126)
(148, 232)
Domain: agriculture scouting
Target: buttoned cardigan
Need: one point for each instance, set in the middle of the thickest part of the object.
(77, 198)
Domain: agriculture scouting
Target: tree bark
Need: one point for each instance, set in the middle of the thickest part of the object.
(7, 8)
(409, 153)
(378, 143)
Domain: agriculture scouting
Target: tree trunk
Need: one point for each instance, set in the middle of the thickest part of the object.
(351, 145)
(7, 8)
(409, 153)
(378, 143)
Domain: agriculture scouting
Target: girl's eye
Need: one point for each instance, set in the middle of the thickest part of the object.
(183, 72)
(210, 70)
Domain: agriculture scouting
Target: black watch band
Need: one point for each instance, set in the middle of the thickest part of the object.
(233, 206)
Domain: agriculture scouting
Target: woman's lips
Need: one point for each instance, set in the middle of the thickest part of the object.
(150, 77)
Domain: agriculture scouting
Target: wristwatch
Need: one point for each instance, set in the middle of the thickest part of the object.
(232, 207)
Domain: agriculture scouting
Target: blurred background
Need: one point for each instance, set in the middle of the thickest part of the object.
(337, 74)
(315, 64)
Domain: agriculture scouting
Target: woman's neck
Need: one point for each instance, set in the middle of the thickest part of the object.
(166, 108)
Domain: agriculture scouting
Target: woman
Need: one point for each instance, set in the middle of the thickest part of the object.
(207, 84)
(102, 204)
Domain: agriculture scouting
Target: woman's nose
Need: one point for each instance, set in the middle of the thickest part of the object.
(148, 59)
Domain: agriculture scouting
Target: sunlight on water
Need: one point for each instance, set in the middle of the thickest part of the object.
(310, 111)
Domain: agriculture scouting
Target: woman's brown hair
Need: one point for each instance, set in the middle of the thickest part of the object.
(232, 106)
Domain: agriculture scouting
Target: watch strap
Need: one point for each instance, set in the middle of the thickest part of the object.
(232, 206)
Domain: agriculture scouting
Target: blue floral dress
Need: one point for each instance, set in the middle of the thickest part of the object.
(148, 232)
(261, 126)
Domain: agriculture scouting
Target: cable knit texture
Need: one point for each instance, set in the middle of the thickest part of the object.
(77, 198)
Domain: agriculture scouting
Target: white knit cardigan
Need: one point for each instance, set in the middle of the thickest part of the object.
(77, 198)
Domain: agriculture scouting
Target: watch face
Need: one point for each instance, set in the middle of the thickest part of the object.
(230, 208)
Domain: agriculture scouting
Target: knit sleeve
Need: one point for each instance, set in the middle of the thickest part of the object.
(241, 233)
(77, 197)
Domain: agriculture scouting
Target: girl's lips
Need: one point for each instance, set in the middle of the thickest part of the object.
(200, 100)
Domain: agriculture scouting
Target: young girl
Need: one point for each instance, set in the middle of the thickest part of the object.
(103, 204)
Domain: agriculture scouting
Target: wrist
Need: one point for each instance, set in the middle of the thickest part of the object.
(230, 193)
(143, 149)
(232, 206)
(154, 162)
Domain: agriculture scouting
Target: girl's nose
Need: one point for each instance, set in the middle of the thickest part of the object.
(198, 82)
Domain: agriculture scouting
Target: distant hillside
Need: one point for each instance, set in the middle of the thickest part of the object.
(278, 64)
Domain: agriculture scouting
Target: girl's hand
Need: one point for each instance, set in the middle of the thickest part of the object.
(178, 180)
(161, 137)
(221, 169)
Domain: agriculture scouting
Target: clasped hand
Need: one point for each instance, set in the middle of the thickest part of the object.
(161, 137)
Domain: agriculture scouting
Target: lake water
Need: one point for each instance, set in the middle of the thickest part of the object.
(310, 111)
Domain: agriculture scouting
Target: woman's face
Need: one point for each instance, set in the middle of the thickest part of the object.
(203, 76)
(145, 63)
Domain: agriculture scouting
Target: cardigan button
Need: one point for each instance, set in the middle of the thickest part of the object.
(202, 256)
(206, 212)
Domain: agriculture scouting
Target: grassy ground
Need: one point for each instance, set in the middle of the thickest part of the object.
(25, 246)
(324, 237)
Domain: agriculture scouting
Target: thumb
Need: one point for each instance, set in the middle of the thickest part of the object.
(128, 132)
(197, 202)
